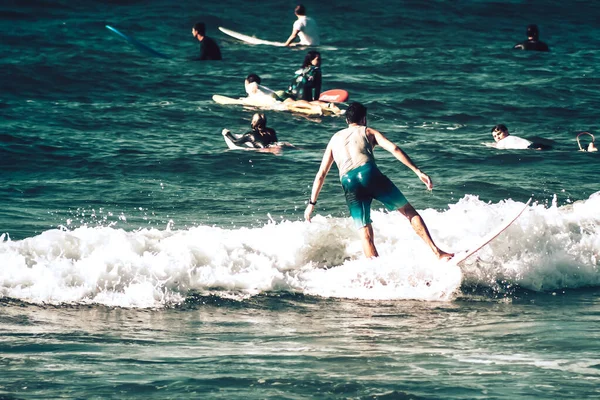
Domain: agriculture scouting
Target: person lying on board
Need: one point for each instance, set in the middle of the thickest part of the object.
(258, 92)
(362, 181)
(259, 137)
(532, 42)
(505, 140)
(263, 96)
(209, 50)
(305, 28)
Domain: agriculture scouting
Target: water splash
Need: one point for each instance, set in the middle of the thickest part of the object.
(546, 249)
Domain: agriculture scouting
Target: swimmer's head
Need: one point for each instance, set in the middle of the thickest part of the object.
(251, 84)
(199, 29)
(259, 121)
(300, 10)
(356, 114)
(499, 132)
(253, 78)
(533, 32)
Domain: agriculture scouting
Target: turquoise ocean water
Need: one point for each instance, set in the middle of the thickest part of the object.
(140, 258)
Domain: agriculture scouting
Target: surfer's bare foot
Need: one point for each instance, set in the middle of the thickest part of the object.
(443, 256)
(333, 108)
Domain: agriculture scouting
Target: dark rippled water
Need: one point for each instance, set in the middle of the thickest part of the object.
(142, 259)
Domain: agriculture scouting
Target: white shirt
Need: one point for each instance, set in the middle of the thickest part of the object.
(308, 31)
(260, 95)
(351, 148)
(513, 142)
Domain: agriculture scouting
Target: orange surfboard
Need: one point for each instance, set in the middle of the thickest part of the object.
(334, 96)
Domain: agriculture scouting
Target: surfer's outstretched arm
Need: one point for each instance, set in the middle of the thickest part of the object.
(319, 180)
(400, 155)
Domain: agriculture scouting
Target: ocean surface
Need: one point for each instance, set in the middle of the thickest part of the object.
(140, 258)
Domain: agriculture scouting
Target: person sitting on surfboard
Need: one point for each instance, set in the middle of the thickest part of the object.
(352, 151)
(306, 86)
(305, 27)
(259, 137)
(505, 140)
(209, 50)
(308, 80)
(532, 42)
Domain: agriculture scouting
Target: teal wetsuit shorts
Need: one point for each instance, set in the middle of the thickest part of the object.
(362, 185)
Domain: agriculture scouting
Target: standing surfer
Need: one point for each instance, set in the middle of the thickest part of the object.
(352, 151)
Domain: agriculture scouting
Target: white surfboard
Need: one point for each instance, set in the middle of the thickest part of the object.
(233, 146)
(249, 39)
(463, 255)
(227, 100)
(274, 148)
(245, 101)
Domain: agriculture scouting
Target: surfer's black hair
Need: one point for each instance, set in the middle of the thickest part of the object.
(200, 28)
(309, 57)
(355, 113)
(300, 9)
(533, 31)
(259, 121)
(253, 78)
(499, 127)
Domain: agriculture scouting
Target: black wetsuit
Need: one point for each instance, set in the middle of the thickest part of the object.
(535, 45)
(209, 50)
(258, 139)
(306, 84)
(312, 89)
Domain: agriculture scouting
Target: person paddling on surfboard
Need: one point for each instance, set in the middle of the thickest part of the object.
(259, 137)
(505, 140)
(352, 151)
(257, 91)
(209, 50)
(305, 28)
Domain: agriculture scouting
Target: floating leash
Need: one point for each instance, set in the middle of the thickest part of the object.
(591, 146)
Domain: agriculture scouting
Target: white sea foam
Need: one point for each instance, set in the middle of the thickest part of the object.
(545, 249)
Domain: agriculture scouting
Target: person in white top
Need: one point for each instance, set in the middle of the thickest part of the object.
(505, 140)
(258, 92)
(262, 96)
(305, 28)
(352, 151)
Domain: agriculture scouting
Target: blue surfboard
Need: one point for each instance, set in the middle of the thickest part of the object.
(140, 46)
